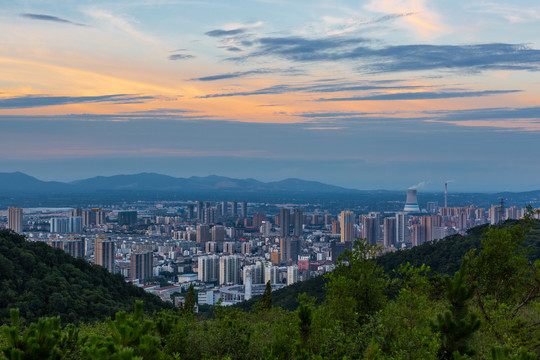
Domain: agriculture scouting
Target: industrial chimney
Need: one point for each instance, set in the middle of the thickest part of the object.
(411, 205)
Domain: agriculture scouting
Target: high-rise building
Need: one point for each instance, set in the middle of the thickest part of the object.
(203, 234)
(292, 274)
(104, 252)
(427, 227)
(495, 214)
(15, 219)
(200, 215)
(190, 211)
(73, 245)
(211, 247)
(141, 265)
(336, 228)
(258, 219)
(284, 222)
(64, 225)
(234, 208)
(77, 212)
(127, 218)
(58, 225)
(338, 248)
(218, 233)
(75, 224)
(271, 274)
(480, 216)
(219, 210)
(266, 228)
(229, 269)
(254, 273)
(512, 213)
(208, 268)
(275, 257)
(289, 249)
(389, 232)
(94, 216)
(370, 229)
(243, 209)
(463, 221)
(224, 208)
(417, 235)
(303, 263)
(432, 206)
(298, 228)
(347, 226)
(246, 247)
(327, 219)
(228, 247)
(402, 229)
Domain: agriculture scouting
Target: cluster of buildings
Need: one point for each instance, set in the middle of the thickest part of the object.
(230, 250)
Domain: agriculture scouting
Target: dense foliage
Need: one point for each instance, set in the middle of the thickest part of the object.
(42, 281)
(488, 309)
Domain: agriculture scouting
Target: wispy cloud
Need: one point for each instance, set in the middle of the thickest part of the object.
(339, 25)
(239, 74)
(222, 33)
(423, 95)
(514, 14)
(426, 22)
(31, 101)
(298, 48)
(311, 88)
(468, 58)
(331, 114)
(500, 113)
(386, 18)
(175, 57)
(44, 17)
(119, 22)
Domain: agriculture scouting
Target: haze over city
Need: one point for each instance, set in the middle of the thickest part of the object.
(378, 94)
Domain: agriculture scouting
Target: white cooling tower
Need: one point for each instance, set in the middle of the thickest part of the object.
(411, 205)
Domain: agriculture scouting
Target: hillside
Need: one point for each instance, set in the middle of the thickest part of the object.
(42, 281)
(443, 257)
(367, 314)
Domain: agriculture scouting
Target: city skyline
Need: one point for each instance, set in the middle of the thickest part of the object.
(365, 95)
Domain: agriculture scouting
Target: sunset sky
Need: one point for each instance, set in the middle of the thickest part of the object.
(376, 94)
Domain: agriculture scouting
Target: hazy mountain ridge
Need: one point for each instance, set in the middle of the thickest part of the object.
(19, 182)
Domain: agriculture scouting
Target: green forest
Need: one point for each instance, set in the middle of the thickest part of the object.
(474, 297)
(42, 281)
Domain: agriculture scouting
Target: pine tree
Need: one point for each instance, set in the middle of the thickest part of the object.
(189, 303)
(39, 341)
(266, 299)
(457, 325)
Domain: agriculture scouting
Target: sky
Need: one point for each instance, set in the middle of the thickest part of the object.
(366, 94)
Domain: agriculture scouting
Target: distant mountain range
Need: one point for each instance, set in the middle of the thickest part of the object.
(18, 182)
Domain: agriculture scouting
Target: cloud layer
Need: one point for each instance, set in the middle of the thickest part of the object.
(399, 58)
(31, 101)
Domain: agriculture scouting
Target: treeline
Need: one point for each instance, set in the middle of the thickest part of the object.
(42, 281)
(488, 309)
